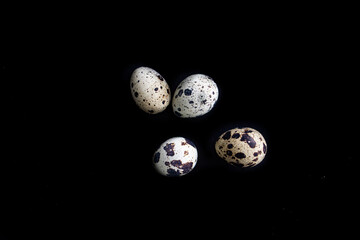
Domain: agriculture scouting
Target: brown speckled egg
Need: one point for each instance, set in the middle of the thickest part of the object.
(175, 157)
(149, 90)
(244, 147)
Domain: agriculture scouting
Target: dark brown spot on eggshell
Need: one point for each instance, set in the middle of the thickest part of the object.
(176, 163)
(186, 167)
(173, 173)
(250, 164)
(160, 77)
(187, 92)
(264, 148)
(180, 93)
(236, 135)
(169, 148)
(240, 155)
(249, 140)
(156, 157)
(227, 135)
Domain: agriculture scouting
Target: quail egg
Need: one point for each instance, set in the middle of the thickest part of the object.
(149, 90)
(244, 147)
(176, 156)
(196, 95)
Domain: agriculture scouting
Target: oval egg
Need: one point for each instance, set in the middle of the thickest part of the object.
(195, 96)
(244, 147)
(175, 157)
(149, 90)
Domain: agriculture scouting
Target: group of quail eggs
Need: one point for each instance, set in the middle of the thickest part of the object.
(195, 96)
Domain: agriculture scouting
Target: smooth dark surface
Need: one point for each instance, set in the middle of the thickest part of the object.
(78, 150)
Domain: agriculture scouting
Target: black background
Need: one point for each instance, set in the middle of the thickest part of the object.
(77, 152)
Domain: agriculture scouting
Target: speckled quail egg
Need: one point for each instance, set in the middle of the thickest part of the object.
(196, 95)
(244, 147)
(176, 156)
(149, 90)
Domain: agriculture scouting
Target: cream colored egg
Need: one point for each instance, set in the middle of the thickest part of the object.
(244, 147)
(149, 90)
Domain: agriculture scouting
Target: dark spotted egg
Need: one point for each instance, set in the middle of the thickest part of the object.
(244, 147)
(196, 95)
(149, 90)
(176, 156)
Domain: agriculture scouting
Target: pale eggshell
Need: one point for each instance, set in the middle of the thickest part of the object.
(176, 156)
(244, 147)
(149, 90)
(195, 96)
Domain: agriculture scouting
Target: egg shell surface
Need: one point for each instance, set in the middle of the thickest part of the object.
(243, 147)
(149, 90)
(175, 157)
(195, 96)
